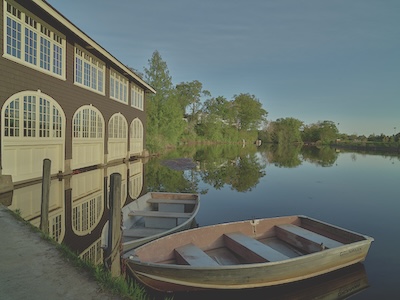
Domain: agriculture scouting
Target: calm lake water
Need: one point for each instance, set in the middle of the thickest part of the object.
(356, 191)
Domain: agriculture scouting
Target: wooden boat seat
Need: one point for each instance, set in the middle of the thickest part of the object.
(159, 214)
(304, 239)
(172, 201)
(194, 256)
(141, 232)
(250, 249)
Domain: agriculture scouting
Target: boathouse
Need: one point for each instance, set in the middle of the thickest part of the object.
(63, 96)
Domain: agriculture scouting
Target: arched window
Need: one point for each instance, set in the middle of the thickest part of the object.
(33, 128)
(117, 137)
(87, 137)
(33, 115)
(136, 137)
(88, 123)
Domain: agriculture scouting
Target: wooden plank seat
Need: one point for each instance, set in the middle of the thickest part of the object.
(304, 239)
(194, 256)
(172, 201)
(159, 214)
(141, 232)
(250, 249)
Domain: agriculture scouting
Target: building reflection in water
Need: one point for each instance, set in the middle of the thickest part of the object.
(78, 206)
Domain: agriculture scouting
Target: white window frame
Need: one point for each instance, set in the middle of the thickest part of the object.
(137, 97)
(33, 115)
(87, 124)
(89, 71)
(24, 46)
(118, 87)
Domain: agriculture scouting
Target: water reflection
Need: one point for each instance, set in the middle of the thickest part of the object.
(79, 205)
(79, 208)
(27, 202)
(339, 284)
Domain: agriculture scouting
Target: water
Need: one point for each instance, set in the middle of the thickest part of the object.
(359, 192)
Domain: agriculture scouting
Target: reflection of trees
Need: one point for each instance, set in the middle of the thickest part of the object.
(290, 156)
(240, 168)
(163, 179)
(216, 165)
(247, 173)
(283, 155)
(323, 156)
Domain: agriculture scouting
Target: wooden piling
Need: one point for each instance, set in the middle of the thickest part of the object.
(46, 180)
(114, 229)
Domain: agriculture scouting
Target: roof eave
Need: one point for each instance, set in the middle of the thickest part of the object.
(69, 25)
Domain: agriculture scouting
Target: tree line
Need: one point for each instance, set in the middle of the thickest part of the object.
(178, 114)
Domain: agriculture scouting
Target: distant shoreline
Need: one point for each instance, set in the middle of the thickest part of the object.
(382, 148)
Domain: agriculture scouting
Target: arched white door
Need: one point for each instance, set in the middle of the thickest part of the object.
(136, 137)
(33, 128)
(87, 137)
(117, 137)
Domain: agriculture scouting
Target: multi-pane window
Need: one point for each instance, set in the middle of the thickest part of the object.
(136, 129)
(85, 215)
(13, 32)
(117, 127)
(56, 228)
(29, 118)
(118, 87)
(44, 117)
(33, 116)
(88, 124)
(12, 119)
(137, 96)
(32, 43)
(58, 55)
(89, 71)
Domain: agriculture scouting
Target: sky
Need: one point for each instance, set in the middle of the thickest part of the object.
(313, 60)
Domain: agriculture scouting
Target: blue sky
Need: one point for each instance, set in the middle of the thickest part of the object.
(313, 60)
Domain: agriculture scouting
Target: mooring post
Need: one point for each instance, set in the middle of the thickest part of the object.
(44, 216)
(114, 229)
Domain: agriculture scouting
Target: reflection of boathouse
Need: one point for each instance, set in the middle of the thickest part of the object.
(63, 96)
(79, 208)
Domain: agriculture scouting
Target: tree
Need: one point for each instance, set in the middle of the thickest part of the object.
(164, 114)
(324, 132)
(189, 95)
(328, 132)
(249, 112)
(286, 131)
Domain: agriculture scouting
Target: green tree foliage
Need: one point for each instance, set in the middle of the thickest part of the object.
(324, 132)
(217, 119)
(164, 114)
(217, 109)
(189, 96)
(285, 131)
(249, 112)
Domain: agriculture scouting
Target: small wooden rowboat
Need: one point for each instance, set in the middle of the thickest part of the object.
(246, 254)
(156, 214)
